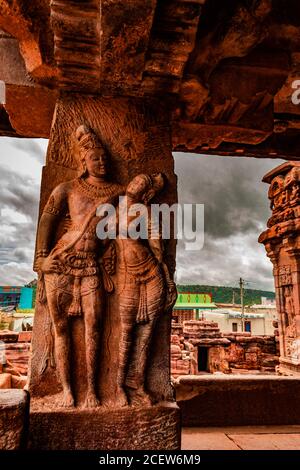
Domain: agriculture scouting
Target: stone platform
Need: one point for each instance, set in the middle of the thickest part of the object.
(228, 400)
(151, 428)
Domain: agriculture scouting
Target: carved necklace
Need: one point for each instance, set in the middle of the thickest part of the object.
(106, 190)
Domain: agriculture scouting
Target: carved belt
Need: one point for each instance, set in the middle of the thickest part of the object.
(80, 264)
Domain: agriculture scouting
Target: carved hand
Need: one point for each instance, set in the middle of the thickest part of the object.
(48, 265)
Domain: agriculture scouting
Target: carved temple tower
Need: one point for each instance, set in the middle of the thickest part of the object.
(282, 243)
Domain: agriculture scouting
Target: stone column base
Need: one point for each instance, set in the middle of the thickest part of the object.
(13, 419)
(152, 428)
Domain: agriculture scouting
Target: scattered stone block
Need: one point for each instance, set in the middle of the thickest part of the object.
(18, 381)
(5, 381)
(14, 411)
(25, 336)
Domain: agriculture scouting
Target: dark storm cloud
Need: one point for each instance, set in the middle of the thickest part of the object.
(19, 196)
(230, 188)
(18, 192)
(20, 254)
(236, 211)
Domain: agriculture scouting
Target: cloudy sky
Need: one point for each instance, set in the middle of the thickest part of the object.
(236, 210)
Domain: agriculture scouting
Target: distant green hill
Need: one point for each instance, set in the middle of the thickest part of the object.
(221, 294)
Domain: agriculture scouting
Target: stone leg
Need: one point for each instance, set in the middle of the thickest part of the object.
(93, 307)
(58, 306)
(137, 380)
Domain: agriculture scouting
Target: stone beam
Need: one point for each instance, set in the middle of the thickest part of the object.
(28, 22)
(28, 108)
(227, 71)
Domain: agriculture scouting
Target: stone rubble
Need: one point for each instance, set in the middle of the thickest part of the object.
(228, 353)
(15, 355)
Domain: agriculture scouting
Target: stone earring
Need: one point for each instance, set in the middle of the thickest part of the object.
(84, 167)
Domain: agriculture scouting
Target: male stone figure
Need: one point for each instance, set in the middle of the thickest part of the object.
(70, 266)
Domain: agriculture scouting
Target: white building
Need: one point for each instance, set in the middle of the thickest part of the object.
(258, 319)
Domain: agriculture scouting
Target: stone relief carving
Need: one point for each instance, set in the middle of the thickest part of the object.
(285, 276)
(293, 349)
(284, 194)
(287, 307)
(289, 312)
(146, 291)
(76, 270)
(281, 240)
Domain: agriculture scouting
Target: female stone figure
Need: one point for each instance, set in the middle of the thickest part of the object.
(70, 267)
(146, 291)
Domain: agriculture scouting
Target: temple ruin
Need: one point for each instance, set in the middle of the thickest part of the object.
(117, 87)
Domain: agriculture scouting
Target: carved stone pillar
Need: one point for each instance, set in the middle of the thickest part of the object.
(78, 402)
(282, 243)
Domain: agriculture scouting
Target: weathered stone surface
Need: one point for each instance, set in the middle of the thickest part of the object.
(152, 428)
(13, 419)
(183, 361)
(5, 380)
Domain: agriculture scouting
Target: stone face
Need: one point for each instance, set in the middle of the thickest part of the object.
(18, 381)
(282, 243)
(13, 419)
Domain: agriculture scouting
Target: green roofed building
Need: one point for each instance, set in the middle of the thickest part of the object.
(189, 305)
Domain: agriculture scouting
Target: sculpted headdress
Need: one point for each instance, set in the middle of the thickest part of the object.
(87, 139)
